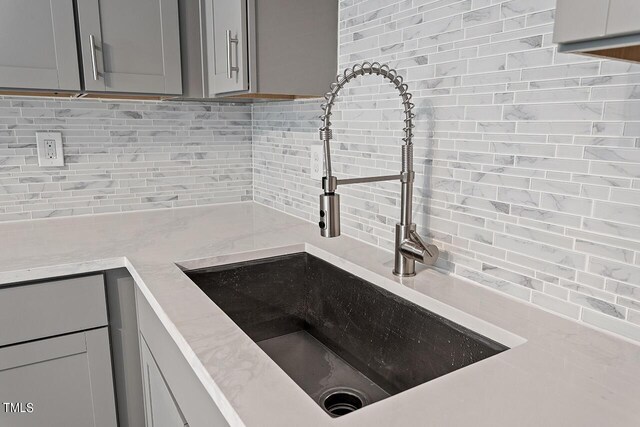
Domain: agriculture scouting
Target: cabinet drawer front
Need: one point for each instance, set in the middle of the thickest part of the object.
(16, 356)
(41, 310)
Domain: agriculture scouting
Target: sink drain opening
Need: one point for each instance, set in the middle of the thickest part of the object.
(341, 403)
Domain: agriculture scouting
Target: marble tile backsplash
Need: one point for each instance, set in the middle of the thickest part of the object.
(528, 161)
(122, 155)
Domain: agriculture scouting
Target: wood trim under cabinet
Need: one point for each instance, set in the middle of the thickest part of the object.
(629, 53)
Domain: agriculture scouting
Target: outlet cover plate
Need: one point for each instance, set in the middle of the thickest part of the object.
(50, 152)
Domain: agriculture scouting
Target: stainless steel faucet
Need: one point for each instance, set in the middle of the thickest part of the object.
(409, 246)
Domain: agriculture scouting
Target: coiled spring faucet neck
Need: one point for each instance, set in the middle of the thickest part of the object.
(349, 74)
(409, 246)
(361, 70)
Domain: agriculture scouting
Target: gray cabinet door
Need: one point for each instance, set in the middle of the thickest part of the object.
(188, 391)
(227, 35)
(624, 17)
(38, 45)
(130, 46)
(66, 380)
(161, 409)
(125, 347)
(578, 20)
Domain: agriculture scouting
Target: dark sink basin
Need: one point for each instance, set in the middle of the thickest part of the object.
(346, 342)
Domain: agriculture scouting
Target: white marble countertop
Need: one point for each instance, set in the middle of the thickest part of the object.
(561, 374)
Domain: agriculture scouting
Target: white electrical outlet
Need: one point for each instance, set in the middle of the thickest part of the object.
(50, 149)
(317, 160)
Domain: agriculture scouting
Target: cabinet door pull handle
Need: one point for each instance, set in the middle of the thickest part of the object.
(94, 61)
(231, 68)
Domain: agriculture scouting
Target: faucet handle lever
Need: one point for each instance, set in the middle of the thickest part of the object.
(414, 247)
(415, 236)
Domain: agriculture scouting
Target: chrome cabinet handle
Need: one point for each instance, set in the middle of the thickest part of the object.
(231, 68)
(94, 62)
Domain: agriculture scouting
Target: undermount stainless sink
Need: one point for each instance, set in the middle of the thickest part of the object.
(346, 342)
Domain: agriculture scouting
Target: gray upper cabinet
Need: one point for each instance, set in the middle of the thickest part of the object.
(38, 45)
(580, 20)
(130, 46)
(227, 36)
(624, 17)
(603, 28)
(295, 46)
(192, 49)
(280, 49)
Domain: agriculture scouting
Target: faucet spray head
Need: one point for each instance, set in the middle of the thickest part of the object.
(329, 215)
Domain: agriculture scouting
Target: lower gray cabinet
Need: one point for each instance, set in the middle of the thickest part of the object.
(58, 382)
(55, 356)
(125, 347)
(173, 391)
(160, 406)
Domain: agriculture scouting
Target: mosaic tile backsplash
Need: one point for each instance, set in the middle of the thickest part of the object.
(528, 161)
(122, 156)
